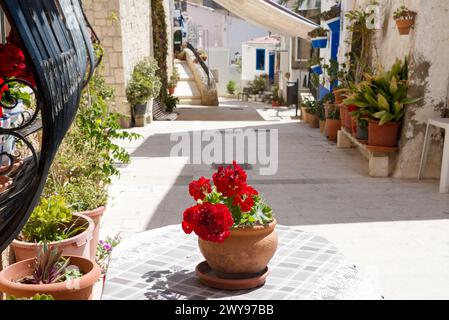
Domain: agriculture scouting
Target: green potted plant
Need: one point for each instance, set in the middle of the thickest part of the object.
(172, 85)
(52, 221)
(276, 100)
(231, 87)
(405, 19)
(332, 13)
(143, 86)
(312, 114)
(319, 37)
(333, 124)
(235, 226)
(170, 103)
(384, 98)
(50, 275)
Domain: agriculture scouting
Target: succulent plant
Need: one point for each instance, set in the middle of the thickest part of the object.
(50, 266)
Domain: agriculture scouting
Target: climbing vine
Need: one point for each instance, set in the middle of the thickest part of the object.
(160, 43)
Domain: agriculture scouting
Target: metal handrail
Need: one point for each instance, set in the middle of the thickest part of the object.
(200, 61)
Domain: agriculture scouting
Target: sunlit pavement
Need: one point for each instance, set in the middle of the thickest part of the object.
(396, 230)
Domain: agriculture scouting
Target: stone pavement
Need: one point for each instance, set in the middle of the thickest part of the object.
(396, 229)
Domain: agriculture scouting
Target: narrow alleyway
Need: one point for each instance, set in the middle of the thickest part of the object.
(396, 230)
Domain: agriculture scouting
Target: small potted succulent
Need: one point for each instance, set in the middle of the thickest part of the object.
(53, 221)
(319, 37)
(235, 226)
(142, 88)
(50, 275)
(405, 19)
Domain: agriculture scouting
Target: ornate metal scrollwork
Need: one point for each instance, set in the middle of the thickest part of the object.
(58, 42)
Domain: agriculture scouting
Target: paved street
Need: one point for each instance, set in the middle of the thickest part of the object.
(396, 230)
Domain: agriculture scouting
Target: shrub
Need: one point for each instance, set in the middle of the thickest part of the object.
(231, 87)
(144, 83)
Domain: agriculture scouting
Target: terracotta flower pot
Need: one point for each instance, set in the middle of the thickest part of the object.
(307, 117)
(95, 215)
(314, 121)
(76, 246)
(404, 26)
(171, 90)
(246, 252)
(338, 94)
(303, 114)
(275, 103)
(79, 289)
(332, 128)
(322, 125)
(386, 135)
(329, 108)
(343, 114)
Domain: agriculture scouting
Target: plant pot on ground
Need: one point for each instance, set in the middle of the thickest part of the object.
(51, 274)
(143, 87)
(362, 130)
(235, 226)
(53, 221)
(170, 103)
(405, 19)
(333, 124)
(386, 135)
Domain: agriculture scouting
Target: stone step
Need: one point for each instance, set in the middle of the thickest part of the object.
(195, 101)
(187, 89)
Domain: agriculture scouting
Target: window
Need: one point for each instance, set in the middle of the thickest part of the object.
(260, 59)
(300, 50)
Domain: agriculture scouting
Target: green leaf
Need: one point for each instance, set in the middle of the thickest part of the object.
(382, 102)
(393, 85)
(387, 117)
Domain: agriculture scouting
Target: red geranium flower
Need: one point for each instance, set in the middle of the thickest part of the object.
(230, 180)
(3, 88)
(199, 188)
(211, 222)
(14, 64)
(245, 200)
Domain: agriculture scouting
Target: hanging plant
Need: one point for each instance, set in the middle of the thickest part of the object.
(160, 43)
(332, 13)
(405, 19)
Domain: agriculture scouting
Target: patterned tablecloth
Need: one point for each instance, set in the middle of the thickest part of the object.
(160, 264)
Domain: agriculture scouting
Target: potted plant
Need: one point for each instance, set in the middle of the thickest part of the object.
(333, 124)
(170, 103)
(276, 99)
(321, 116)
(172, 85)
(236, 228)
(315, 66)
(53, 221)
(384, 98)
(332, 14)
(319, 37)
(142, 88)
(405, 19)
(313, 114)
(51, 274)
(231, 87)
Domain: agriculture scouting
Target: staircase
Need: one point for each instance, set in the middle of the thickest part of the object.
(187, 90)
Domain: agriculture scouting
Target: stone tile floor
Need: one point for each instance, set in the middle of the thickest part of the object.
(396, 229)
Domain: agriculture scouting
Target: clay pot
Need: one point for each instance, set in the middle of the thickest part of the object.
(328, 108)
(322, 125)
(307, 117)
(338, 94)
(343, 114)
(314, 121)
(404, 26)
(95, 215)
(245, 253)
(275, 103)
(386, 135)
(76, 246)
(303, 114)
(332, 128)
(79, 289)
(171, 90)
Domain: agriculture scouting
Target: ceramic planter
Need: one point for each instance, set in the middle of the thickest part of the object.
(332, 128)
(317, 69)
(319, 42)
(314, 121)
(404, 26)
(386, 135)
(362, 132)
(246, 252)
(76, 246)
(79, 289)
(140, 110)
(171, 90)
(95, 215)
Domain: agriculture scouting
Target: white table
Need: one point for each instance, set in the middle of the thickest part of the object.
(444, 177)
(160, 264)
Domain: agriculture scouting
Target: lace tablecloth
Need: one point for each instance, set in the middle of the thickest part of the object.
(160, 264)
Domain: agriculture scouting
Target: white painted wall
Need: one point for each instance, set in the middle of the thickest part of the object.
(249, 71)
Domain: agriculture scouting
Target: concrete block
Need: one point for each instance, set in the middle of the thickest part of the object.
(379, 166)
(343, 142)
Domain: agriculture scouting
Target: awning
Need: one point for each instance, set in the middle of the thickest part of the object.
(270, 15)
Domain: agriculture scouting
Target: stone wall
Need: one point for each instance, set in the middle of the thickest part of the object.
(426, 47)
(124, 28)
